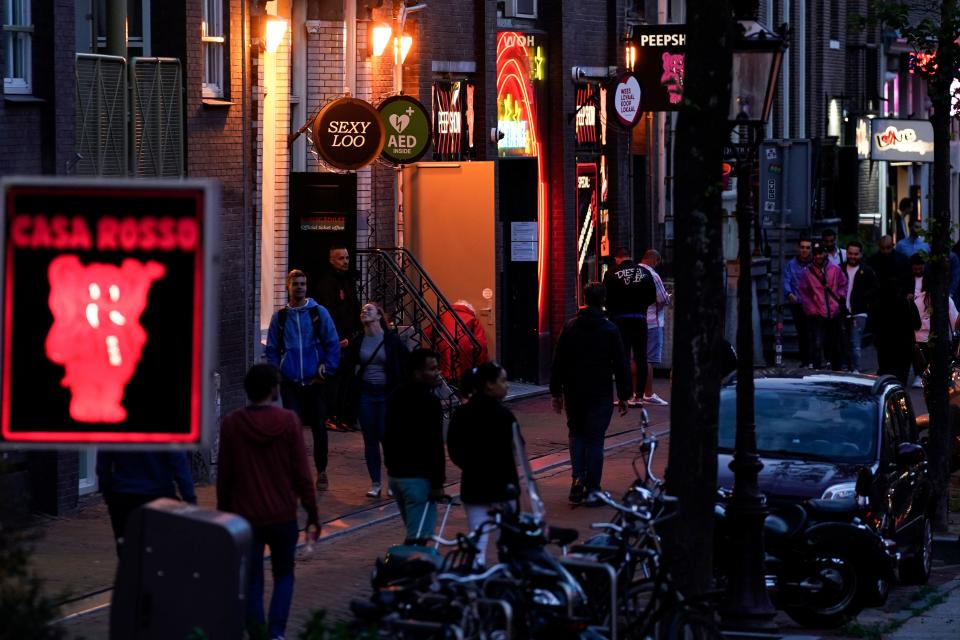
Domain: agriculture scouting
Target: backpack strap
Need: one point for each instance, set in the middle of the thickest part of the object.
(281, 323)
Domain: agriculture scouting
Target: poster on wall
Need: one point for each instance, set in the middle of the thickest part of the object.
(109, 292)
(453, 120)
(660, 65)
(586, 231)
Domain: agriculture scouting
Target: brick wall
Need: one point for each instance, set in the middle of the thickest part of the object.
(215, 148)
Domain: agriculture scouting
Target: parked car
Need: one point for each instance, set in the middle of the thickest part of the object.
(836, 436)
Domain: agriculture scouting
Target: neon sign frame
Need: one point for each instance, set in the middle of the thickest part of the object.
(514, 78)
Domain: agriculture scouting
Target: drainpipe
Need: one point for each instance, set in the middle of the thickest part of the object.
(802, 71)
(350, 46)
(786, 78)
(117, 28)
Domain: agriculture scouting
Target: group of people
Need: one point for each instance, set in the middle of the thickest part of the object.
(835, 295)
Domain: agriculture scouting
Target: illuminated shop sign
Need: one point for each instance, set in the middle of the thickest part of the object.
(348, 133)
(901, 140)
(863, 138)
(453, 118)
(407, 127)
(519, 132)
(587, 120)
(660, 65)
(109, 302)
(587, 219)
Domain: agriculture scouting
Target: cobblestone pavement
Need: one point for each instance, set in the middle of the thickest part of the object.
(338, 570)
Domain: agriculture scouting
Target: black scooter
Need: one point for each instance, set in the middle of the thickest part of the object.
(823, 565)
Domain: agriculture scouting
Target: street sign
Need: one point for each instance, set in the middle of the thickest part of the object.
(109, 298)
(348, 133)
(407, 127)
(626, 100)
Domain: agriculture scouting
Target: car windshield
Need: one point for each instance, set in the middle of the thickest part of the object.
(809, 422)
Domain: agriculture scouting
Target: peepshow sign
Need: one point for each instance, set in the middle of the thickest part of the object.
(660, 65)
(348, 133)
(109, 304)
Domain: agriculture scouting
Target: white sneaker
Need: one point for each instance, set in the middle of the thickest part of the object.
(374, 491)
(389, 492)
(634, 402)
(655, 400)
(917, 382)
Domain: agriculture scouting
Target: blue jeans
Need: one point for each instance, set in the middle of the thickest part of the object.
(370, 413)
(857, 323)
(412, 495)
(282, 540)
(588, 425)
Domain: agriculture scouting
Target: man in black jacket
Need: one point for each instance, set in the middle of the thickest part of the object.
(861, 294)
(891, 267)
(589, 352)
(413, 450)
(337, 292)
(630, 291)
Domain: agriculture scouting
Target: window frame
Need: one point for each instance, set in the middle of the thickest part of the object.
(17, 36)
(214, 83)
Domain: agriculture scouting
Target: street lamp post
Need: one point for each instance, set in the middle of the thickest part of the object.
(756, 66)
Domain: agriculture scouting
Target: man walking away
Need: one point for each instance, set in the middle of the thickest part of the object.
(262, 471)
(337, 293)
(861, 295)
(302, 342)
(894, 321)
(588, 353)
(821, 289)
(130, 479)
(413, 450)
(792, 271)
(655, 323)
(892, 267)
(630, 291)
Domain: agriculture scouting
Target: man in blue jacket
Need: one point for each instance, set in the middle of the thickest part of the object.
(302, 342)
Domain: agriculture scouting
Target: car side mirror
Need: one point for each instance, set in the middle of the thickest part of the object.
(910, 454)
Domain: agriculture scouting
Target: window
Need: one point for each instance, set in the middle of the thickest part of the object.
(212, 36)
(17, 38)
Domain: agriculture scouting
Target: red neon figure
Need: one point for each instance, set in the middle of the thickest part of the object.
(96, 333)
(672, 77)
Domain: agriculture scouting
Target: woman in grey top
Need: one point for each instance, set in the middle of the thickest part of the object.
(377, 361)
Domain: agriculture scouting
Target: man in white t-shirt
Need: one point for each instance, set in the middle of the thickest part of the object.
(862, 289)
(655, 322)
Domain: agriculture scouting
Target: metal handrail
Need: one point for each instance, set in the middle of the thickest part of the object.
(398, 260)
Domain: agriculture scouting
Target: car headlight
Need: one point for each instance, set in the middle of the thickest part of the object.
(843, 491)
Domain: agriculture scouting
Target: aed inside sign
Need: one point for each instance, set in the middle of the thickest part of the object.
(109, 300)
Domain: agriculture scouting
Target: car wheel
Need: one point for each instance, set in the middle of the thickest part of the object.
(915, 569)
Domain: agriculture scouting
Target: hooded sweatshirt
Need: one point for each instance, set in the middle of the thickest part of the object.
(302, 352)
(263, 466)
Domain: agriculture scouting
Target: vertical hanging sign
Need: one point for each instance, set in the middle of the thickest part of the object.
(109, 305)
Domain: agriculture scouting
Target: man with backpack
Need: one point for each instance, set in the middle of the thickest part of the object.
(302, 342)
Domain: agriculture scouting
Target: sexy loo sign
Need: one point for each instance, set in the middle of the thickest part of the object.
(108, 297)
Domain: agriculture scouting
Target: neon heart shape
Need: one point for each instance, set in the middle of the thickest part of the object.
(399, 122)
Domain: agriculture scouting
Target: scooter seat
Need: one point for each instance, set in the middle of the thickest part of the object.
(562, 536)
(785, 521)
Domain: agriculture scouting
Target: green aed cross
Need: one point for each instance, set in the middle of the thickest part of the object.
(407, 127)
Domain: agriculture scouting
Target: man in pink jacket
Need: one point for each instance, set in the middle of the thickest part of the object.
(823, 288)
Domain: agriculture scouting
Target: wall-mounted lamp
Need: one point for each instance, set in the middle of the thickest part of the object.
(631, 55)
(402, 47)
(275, 31)
(380, 33)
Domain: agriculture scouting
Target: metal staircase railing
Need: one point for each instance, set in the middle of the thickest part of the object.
(394, 278)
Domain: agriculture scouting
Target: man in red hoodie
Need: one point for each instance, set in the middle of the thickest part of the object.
(262, 471)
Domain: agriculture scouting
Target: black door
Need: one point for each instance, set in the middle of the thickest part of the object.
(323, 212)
(518, 209)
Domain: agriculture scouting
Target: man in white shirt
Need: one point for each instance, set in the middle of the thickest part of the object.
(835, 254)
(655, 322)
